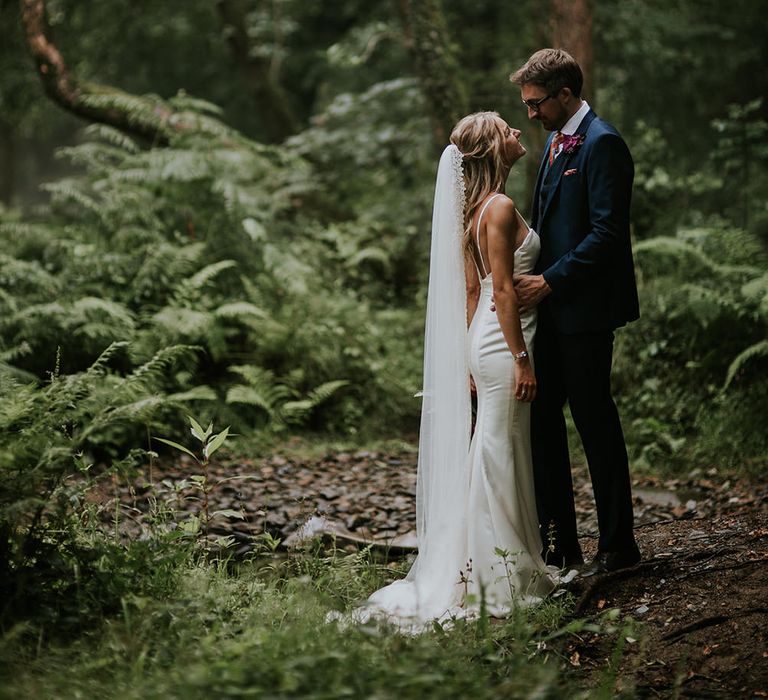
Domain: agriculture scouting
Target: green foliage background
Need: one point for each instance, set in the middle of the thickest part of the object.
(298, 269)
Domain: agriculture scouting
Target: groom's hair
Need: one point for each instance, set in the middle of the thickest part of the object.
(552, 69)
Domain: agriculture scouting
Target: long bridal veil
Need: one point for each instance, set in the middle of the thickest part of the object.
(434, 584)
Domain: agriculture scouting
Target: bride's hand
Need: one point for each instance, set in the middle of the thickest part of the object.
(525, 381)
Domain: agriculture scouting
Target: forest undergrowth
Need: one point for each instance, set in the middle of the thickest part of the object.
(194, 626)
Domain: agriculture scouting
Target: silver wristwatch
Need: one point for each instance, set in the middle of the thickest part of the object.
(520, 355)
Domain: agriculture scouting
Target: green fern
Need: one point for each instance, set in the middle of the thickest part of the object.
(666, 255)
(278, 401)
(70, 191)
(756, 291)
(114, 136)
(260, 391)
(156, 368)
(240, 310)
(191, 288)
(758, 351)
(28, 279)
(297, 412)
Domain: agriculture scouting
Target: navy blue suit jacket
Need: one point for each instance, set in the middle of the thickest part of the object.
(581, 213)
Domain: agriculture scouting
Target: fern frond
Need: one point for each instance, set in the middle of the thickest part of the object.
(297, 412)
(250, 396)
(184, 323)
(324, 392)
(99, 367)
(183, 101)
(157, 368)
(47, 313)
(253, 375)
(19, 400)
(25, 277)
(15, 352)
(260, 389)
(92, 309)
(198, 393)
(750, 354)
(93, 155)
(113, 136)
(369, 254)
(64, 190)
(20, 375)
(182, 165)
(756, 290)
(202, 277)
(667, 255)
(239, 310)
(139, 411)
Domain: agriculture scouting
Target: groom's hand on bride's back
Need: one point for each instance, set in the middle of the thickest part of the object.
(531, 291)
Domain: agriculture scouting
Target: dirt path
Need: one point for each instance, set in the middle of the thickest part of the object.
(700, 593)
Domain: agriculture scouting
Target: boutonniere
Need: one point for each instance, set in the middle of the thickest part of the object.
(572, 143)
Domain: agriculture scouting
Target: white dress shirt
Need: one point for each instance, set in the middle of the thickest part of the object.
(573, 123)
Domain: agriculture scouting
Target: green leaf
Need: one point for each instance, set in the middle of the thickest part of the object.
(190, 526)
(197, 429)
(227, 513)
(178, 447)
(216, 443)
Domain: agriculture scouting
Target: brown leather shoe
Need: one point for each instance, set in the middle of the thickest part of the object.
(611, 561)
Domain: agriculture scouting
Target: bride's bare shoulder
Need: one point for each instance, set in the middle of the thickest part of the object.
(502, 212)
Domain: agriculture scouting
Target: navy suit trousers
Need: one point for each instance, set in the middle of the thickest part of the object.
(577, 368)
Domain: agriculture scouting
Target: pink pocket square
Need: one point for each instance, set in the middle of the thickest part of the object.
(572, 171)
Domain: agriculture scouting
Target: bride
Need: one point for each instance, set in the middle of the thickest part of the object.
(477, 527)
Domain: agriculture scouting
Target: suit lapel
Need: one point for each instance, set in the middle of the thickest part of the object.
(555, 173)
(539, 179)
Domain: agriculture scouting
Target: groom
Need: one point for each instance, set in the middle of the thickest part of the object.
(584, 287)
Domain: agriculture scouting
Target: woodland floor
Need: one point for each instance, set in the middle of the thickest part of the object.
(700, 593)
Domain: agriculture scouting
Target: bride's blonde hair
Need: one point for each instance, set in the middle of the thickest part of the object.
(480, 139)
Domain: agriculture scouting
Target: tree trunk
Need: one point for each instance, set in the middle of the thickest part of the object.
(275, 111)
(570, 28)
(427, 40)
(7, 163)
(147, 118)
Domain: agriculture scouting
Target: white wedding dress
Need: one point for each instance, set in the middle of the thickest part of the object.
(492, 552)
(503, 538)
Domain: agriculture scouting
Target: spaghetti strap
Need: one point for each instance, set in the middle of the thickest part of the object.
(477, 234)
(520, 217)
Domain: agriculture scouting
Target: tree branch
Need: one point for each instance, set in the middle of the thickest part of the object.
(149, 119)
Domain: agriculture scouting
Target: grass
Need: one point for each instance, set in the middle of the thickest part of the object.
(257, 629)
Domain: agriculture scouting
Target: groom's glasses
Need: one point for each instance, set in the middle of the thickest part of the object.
(535, 105)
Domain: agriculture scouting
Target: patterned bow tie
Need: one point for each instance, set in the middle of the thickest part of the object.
(557, 139)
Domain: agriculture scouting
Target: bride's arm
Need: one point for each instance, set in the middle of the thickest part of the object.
(473, 287)
(500, 232)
